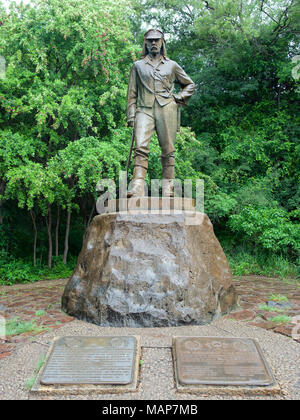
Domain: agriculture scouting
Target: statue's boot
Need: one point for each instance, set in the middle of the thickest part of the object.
(138, 182)
(168, 181)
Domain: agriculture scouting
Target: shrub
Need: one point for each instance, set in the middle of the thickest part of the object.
(269, 229)
(14, 271)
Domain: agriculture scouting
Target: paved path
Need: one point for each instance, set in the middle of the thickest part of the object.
(20, 353)
(255, 292)
(41, 302)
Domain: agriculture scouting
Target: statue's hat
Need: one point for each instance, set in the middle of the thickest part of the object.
(153, 34)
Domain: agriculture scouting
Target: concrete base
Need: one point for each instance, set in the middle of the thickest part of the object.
(150, 204)
(234, 391)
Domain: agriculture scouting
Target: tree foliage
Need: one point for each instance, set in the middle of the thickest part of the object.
(63, 128)
(245, 112)
(61, 101)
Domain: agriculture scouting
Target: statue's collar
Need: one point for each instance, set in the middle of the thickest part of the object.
(148, 60)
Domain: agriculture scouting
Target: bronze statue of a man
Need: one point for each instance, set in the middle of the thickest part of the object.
(152, 105)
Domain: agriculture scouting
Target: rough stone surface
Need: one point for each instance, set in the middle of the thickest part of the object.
(150, 270)
(279, 305)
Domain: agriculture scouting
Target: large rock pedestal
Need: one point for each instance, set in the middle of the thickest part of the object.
(150, 270)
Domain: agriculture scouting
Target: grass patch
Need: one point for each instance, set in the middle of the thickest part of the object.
(40, 313)
(280, 319)
(270, 309)
(15, 326)
(30, 382)
(243, 263)
(278, 298)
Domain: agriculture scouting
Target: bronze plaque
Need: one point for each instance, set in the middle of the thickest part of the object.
(91, 360)
(220, 361)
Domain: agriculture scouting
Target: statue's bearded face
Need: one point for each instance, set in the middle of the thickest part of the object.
(154, 45)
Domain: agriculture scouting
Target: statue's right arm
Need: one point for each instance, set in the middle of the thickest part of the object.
(132, 97)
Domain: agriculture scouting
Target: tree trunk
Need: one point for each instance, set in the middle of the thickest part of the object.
(89, 221)
(66, 248)
(56, 231)
(1, 201)
(41, 226)
(33, 217)
(49, 228)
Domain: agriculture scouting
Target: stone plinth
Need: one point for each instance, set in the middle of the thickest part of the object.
(153, 204)
(150, 270)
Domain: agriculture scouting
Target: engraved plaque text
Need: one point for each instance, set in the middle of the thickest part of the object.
(91, 360)
(220, 361)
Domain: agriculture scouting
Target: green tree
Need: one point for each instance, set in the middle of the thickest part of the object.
(245, 110)
(63, 99)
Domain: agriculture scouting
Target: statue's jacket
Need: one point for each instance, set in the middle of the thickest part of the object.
(148, 82)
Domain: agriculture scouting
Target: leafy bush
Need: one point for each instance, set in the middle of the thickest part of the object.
(14, 271)
(268, 228)
(245, 262)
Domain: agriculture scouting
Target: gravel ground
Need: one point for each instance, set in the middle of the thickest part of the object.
(156, 372)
